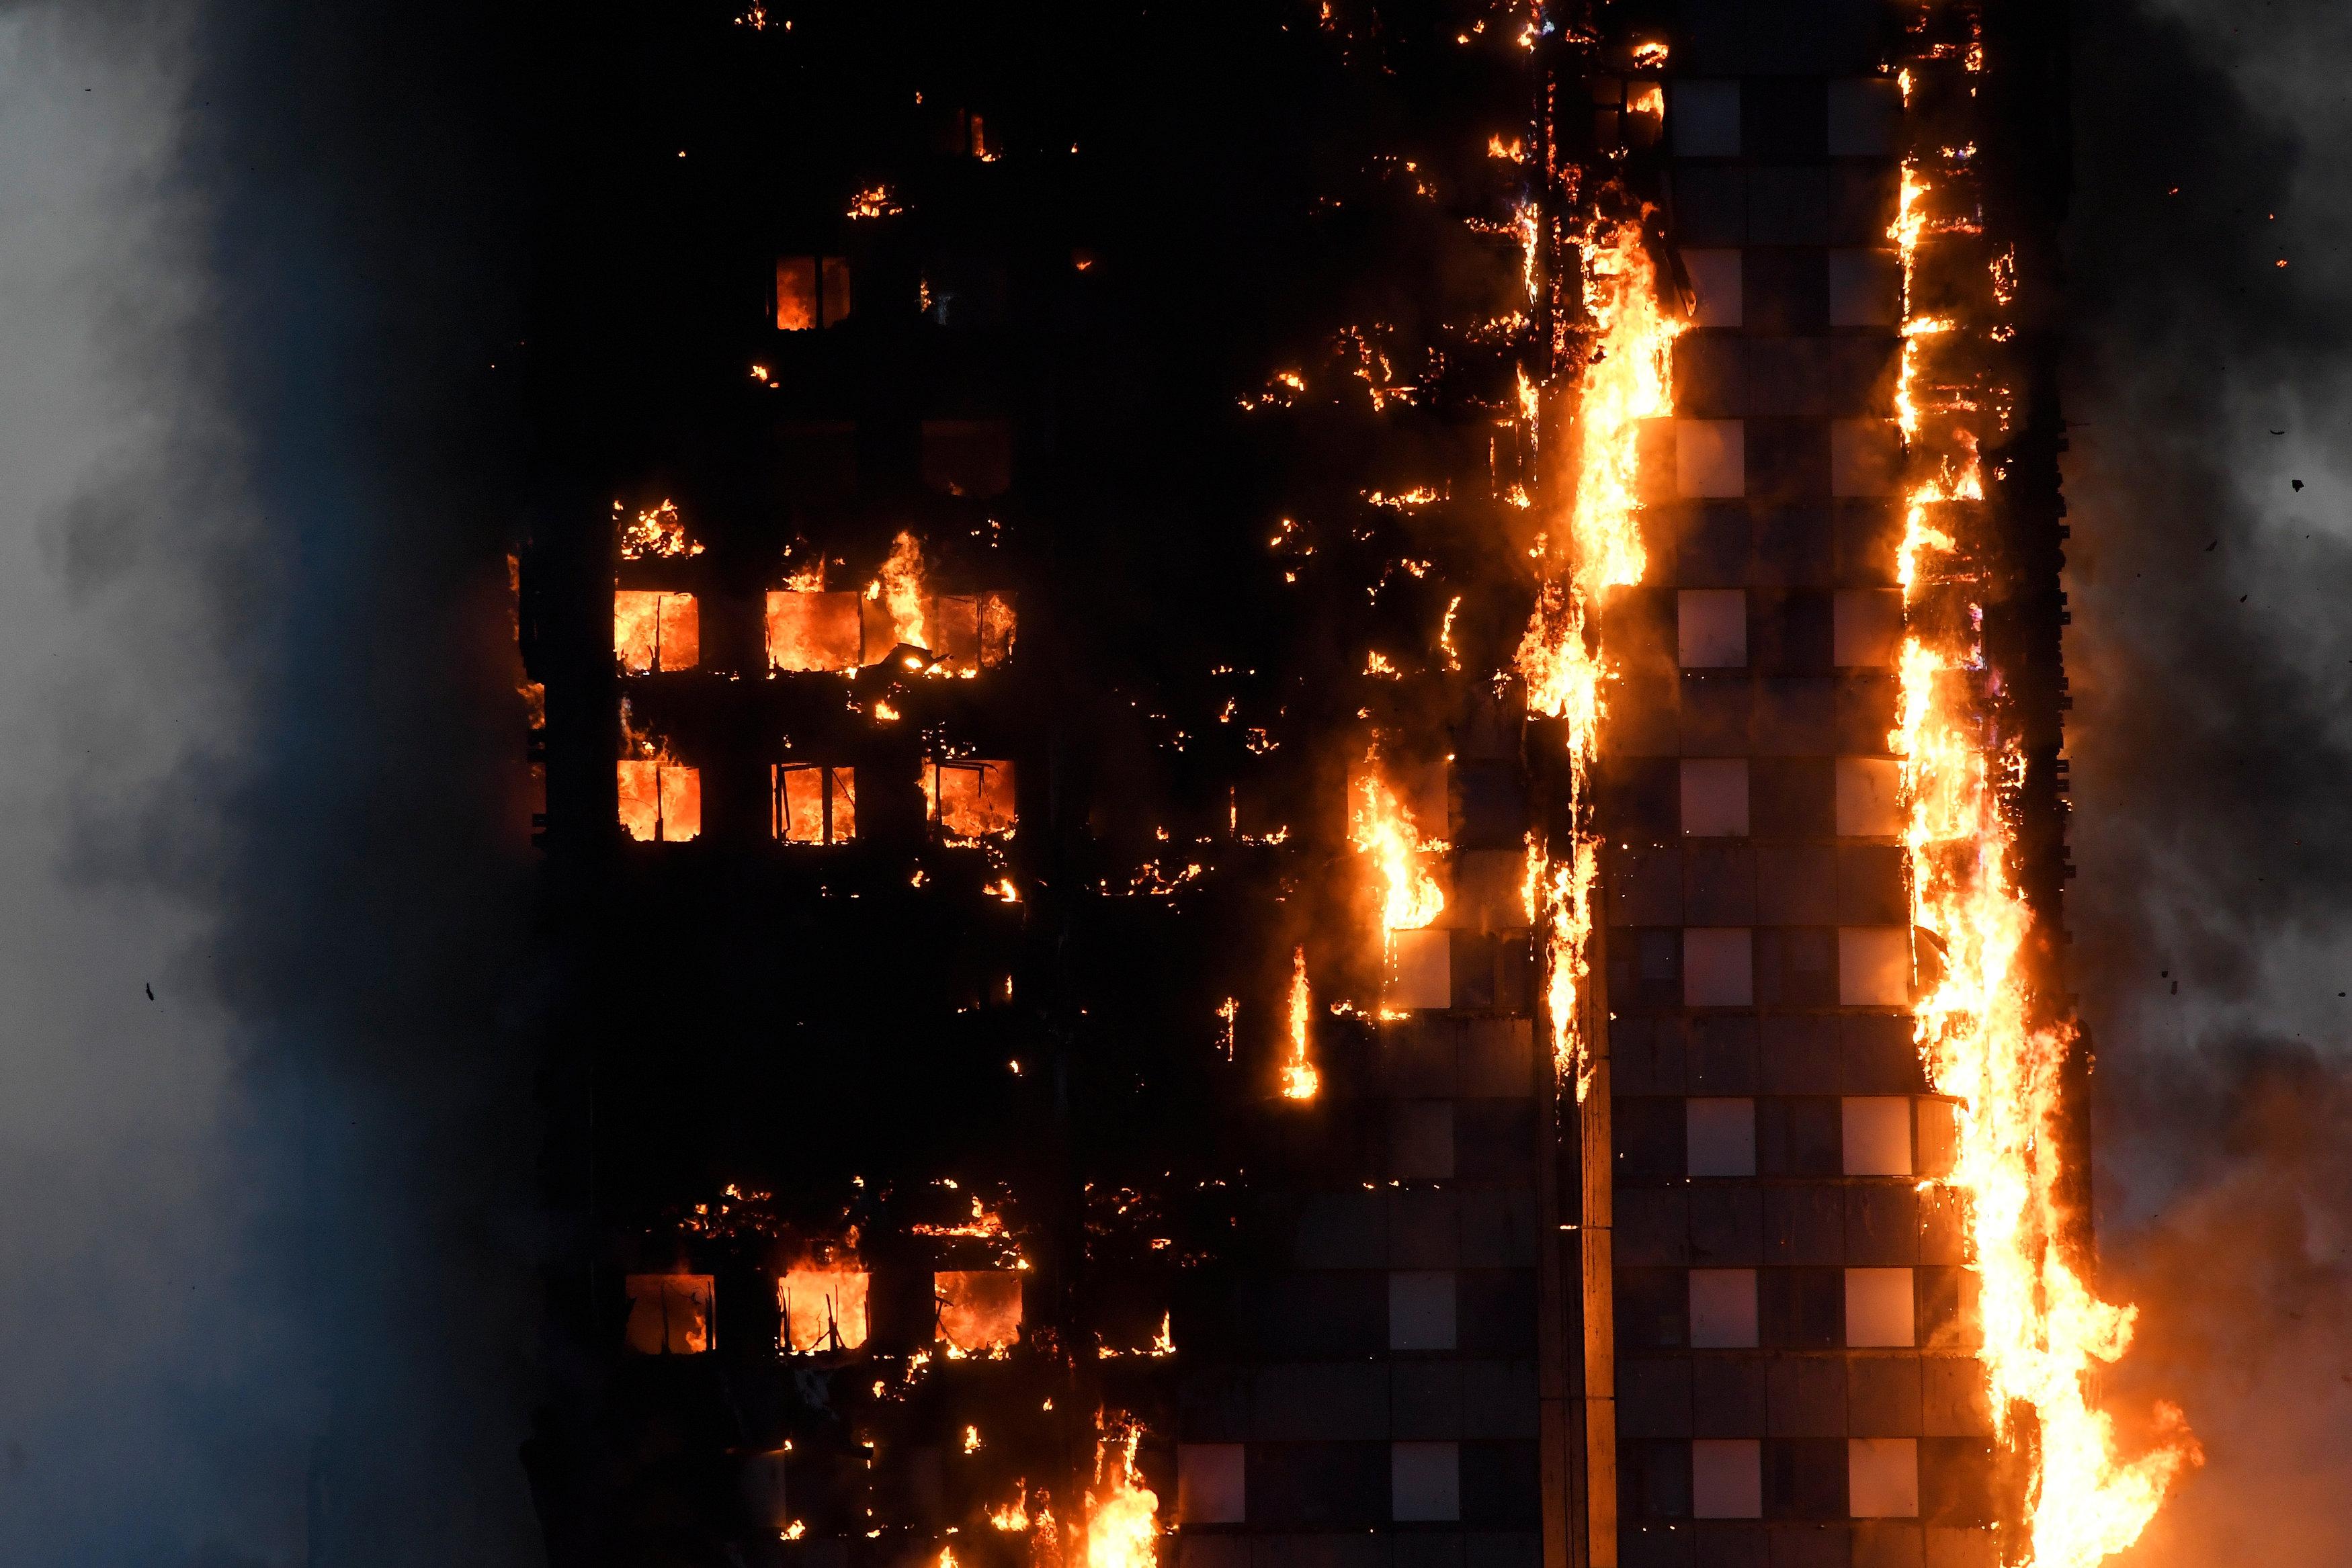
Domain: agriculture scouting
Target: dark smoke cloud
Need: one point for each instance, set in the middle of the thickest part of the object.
(2211, 663)
(266, 1283)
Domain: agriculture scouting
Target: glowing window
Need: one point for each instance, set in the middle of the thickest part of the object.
(1869, 799)
(1882, 1477)
(821, 1309)
(1710, 458)
(1874, 966)
(669, 1315)
(811, 291)
(656, 630)
(1877, 1135)
(1879, 1309)
(979, 1310)
(814, 630)
(1423, 973)
(969, 799)
(971, 631)
(661, 802)
(814, 805)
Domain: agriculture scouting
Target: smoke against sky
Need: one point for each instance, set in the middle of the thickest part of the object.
(2211, 665)
(268, 1265)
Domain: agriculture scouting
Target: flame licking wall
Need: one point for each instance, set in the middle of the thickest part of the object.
(1154, 665)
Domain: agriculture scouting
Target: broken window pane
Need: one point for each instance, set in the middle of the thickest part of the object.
(969, 799)
(656, 630)
(815, 805)
(669, 1315)
(979, 1309)
(814, 630)
(811, 292)
(821, 1309)
(661, 802)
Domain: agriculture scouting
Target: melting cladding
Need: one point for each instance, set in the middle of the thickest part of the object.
(1553, 1049)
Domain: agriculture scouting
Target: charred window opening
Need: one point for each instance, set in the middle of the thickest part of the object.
(978, 1310)
(669, 1315)
(968, 456)
(969, 799)
(813, 804)
(822, 1310)
(811, 292)
(655, 630)
(661, 801)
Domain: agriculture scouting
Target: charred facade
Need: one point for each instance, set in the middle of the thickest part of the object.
(1083, 1032)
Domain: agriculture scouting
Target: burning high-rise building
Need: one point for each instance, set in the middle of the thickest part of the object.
(1304, 785)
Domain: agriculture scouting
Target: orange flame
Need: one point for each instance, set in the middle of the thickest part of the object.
(1121, 1528)
(2045, 1333)
(1626, 380)
(899, 588)
(1382, 827)
(1300, 1079)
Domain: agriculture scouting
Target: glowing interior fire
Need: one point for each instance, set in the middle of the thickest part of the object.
(1626, 379)
(656, 630)
(979, 1310)
(669, 1315)
(971, 799)
(811, 629)
(1122, 1526)
(823, 1309)
(1382, 829)
(1300, 1079)
(1983, 1034)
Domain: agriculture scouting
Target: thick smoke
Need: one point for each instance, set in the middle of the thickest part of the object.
(267, 1276)
(2211, 663)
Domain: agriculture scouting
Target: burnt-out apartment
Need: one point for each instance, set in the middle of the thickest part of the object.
(1235, 713)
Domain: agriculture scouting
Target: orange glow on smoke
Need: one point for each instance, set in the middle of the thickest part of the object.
(1300, 1079)
(1979, 1023)
(1121, 1528)
(1626, 380)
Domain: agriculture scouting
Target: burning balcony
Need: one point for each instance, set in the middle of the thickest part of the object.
(978, 1310)
(661, 801)
(811, 292)
(653, 631)
(969, 799)
(669, 1315)
(821, 1309)
(812, 804)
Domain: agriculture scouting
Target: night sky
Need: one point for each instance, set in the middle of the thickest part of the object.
(305, 321)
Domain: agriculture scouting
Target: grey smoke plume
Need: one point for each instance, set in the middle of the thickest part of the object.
(2211, 736)
(264, 1281)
